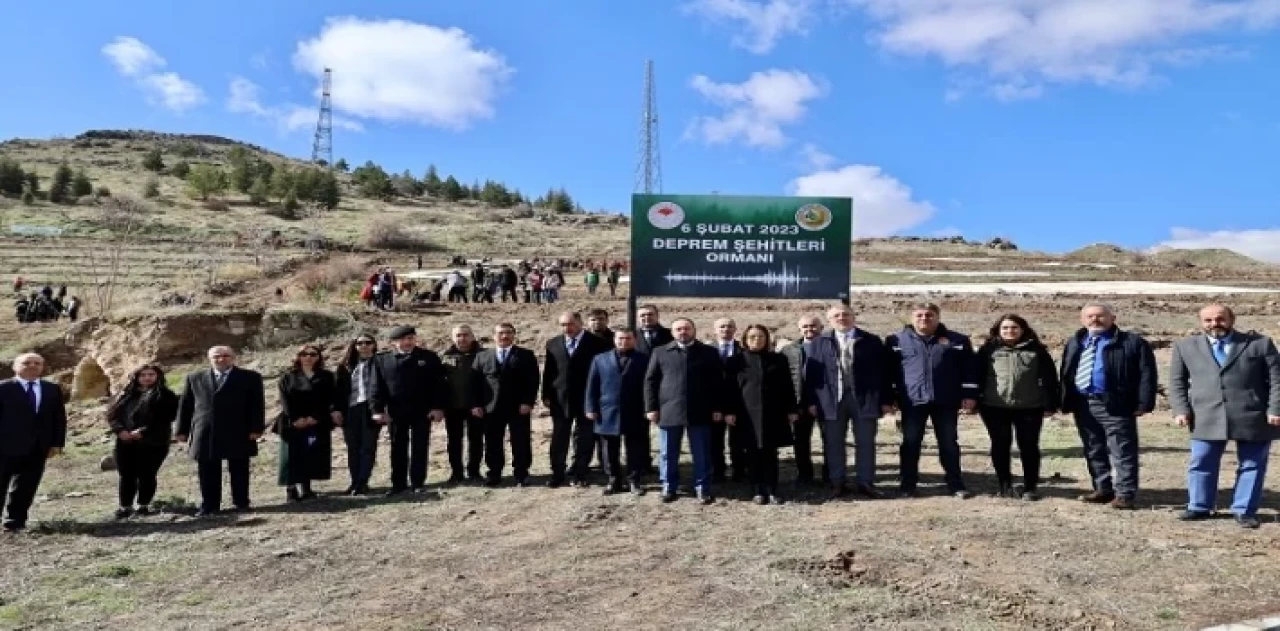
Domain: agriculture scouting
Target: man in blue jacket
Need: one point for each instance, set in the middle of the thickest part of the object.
(1108, 381)
(933, 374)
(615, 403)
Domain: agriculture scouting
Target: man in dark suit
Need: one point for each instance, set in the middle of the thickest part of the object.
(598, 325)
(649, 337)
(221, 416)
(615, 402)
(510, 390)
(684, 392)
(808, 363)
(722, 435)
(409, 393)
(844, 388)
(33, 428)
(1108, 381)
(564, 385)
(1225, 385)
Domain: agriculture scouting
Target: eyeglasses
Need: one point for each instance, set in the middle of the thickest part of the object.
(364, 343)
(308, 354)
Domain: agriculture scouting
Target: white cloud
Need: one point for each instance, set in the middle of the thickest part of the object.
(1262, 244)
(755, 110)
(243, 98)
(399, 71)
(1020, 46)
(882, 205)
(763, 22)
(816, 158)
(135, 60)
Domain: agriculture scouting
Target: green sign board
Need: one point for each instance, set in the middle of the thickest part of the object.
(718, 246)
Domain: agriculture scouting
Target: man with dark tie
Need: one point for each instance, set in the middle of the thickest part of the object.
(846, 389)
(649, 337)
(33, 428)
(684, 393)
(1225, 385)
(1108, 381)
(409, 394)
(722, 434)
(510, 391)
(933, 375)
(564, 385)
(221, 416)
(615, 402)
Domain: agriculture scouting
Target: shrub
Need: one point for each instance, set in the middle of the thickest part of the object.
(217, 205)
(331, 275)
(152, 188)
(180, 170)
(28, 198)
(102, 192)
(391, 235)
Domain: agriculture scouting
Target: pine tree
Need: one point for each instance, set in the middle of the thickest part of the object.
(260, 192)
(12, 178)
(291, 204)
(205, 180)
(452, 190)
(60, 188)
(432, 183)
(81, 185)
(342, 165)
(328, 192)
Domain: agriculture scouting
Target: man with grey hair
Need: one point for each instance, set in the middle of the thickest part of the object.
(1225, 385)
(221, 416)
(33, 428)
(1108, 381)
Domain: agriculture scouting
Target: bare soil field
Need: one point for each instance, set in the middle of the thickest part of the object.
(469, 557)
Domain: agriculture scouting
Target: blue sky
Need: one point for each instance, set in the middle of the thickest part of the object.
(1054, 122)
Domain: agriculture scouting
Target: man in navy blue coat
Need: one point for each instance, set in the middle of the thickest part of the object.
(615, 403)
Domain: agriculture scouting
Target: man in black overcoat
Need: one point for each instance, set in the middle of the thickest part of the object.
(564, 387)
(409, 394)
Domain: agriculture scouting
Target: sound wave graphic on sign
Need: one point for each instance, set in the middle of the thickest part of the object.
(786, 280)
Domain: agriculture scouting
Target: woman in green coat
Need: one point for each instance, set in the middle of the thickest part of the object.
(305, 422)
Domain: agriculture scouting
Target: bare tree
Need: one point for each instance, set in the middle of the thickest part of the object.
(217, 252)
(123, 219)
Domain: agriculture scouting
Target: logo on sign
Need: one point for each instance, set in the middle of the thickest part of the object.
(666, 215)
(813, 217)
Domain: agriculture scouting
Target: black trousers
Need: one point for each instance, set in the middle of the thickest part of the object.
(803, 449)
(1110, 448)
(410, 445)
(19, 479)
(210, 474)
(460, 423)
(724, 436)
(577, 431)
(613, 290)
(763, 467)
(361, 435)
(496, 427)
(137, 465)
(946, 429)
(1002, 425)
(637, 452)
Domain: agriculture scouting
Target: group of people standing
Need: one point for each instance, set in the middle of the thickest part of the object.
(734, 395)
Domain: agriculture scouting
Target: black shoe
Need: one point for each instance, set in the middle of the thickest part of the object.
(14, 527)
(908, 494)
(636, 489)
(555, 482)
(1248, 521)
(204, 512)
(760, 499)
(1194, 515)
(307, 495)
(1097, 497)
(493, 483)
(457, 478)
(395, 491)
(474, 477)
(418, 490)
(242, 510)
(962, 494)
(522, 482)
(1030, 495)
(350, 490)
(705, 498)
(837, 491)
(143, 510)
(292, 495)
(669, 497)
(869, 491)
(124, 512)
(774, 499)
(608, 489)
(579, 483)
(1004, 490)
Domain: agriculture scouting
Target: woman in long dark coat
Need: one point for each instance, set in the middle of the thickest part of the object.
(141, 417)
(766, 408)
(305, 422)
(355, 385)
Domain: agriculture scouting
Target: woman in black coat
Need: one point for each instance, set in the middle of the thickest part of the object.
(306, 419)
(760, 379)
(351, 398)
(141, 417)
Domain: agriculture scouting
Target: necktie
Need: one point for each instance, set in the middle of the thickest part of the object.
(31, 395)
(725, 351)
(219, 378)
(502, 356)
(571, 344)
(1084, 372)
(1220, 351)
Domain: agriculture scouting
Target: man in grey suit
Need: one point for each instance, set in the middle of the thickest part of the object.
(1225, 385)
(33, 428)
(223, 413)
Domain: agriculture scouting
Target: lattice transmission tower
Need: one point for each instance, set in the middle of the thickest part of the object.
(649, 164)
(322, 146)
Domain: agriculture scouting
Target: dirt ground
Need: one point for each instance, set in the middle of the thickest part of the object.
(469, 557)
